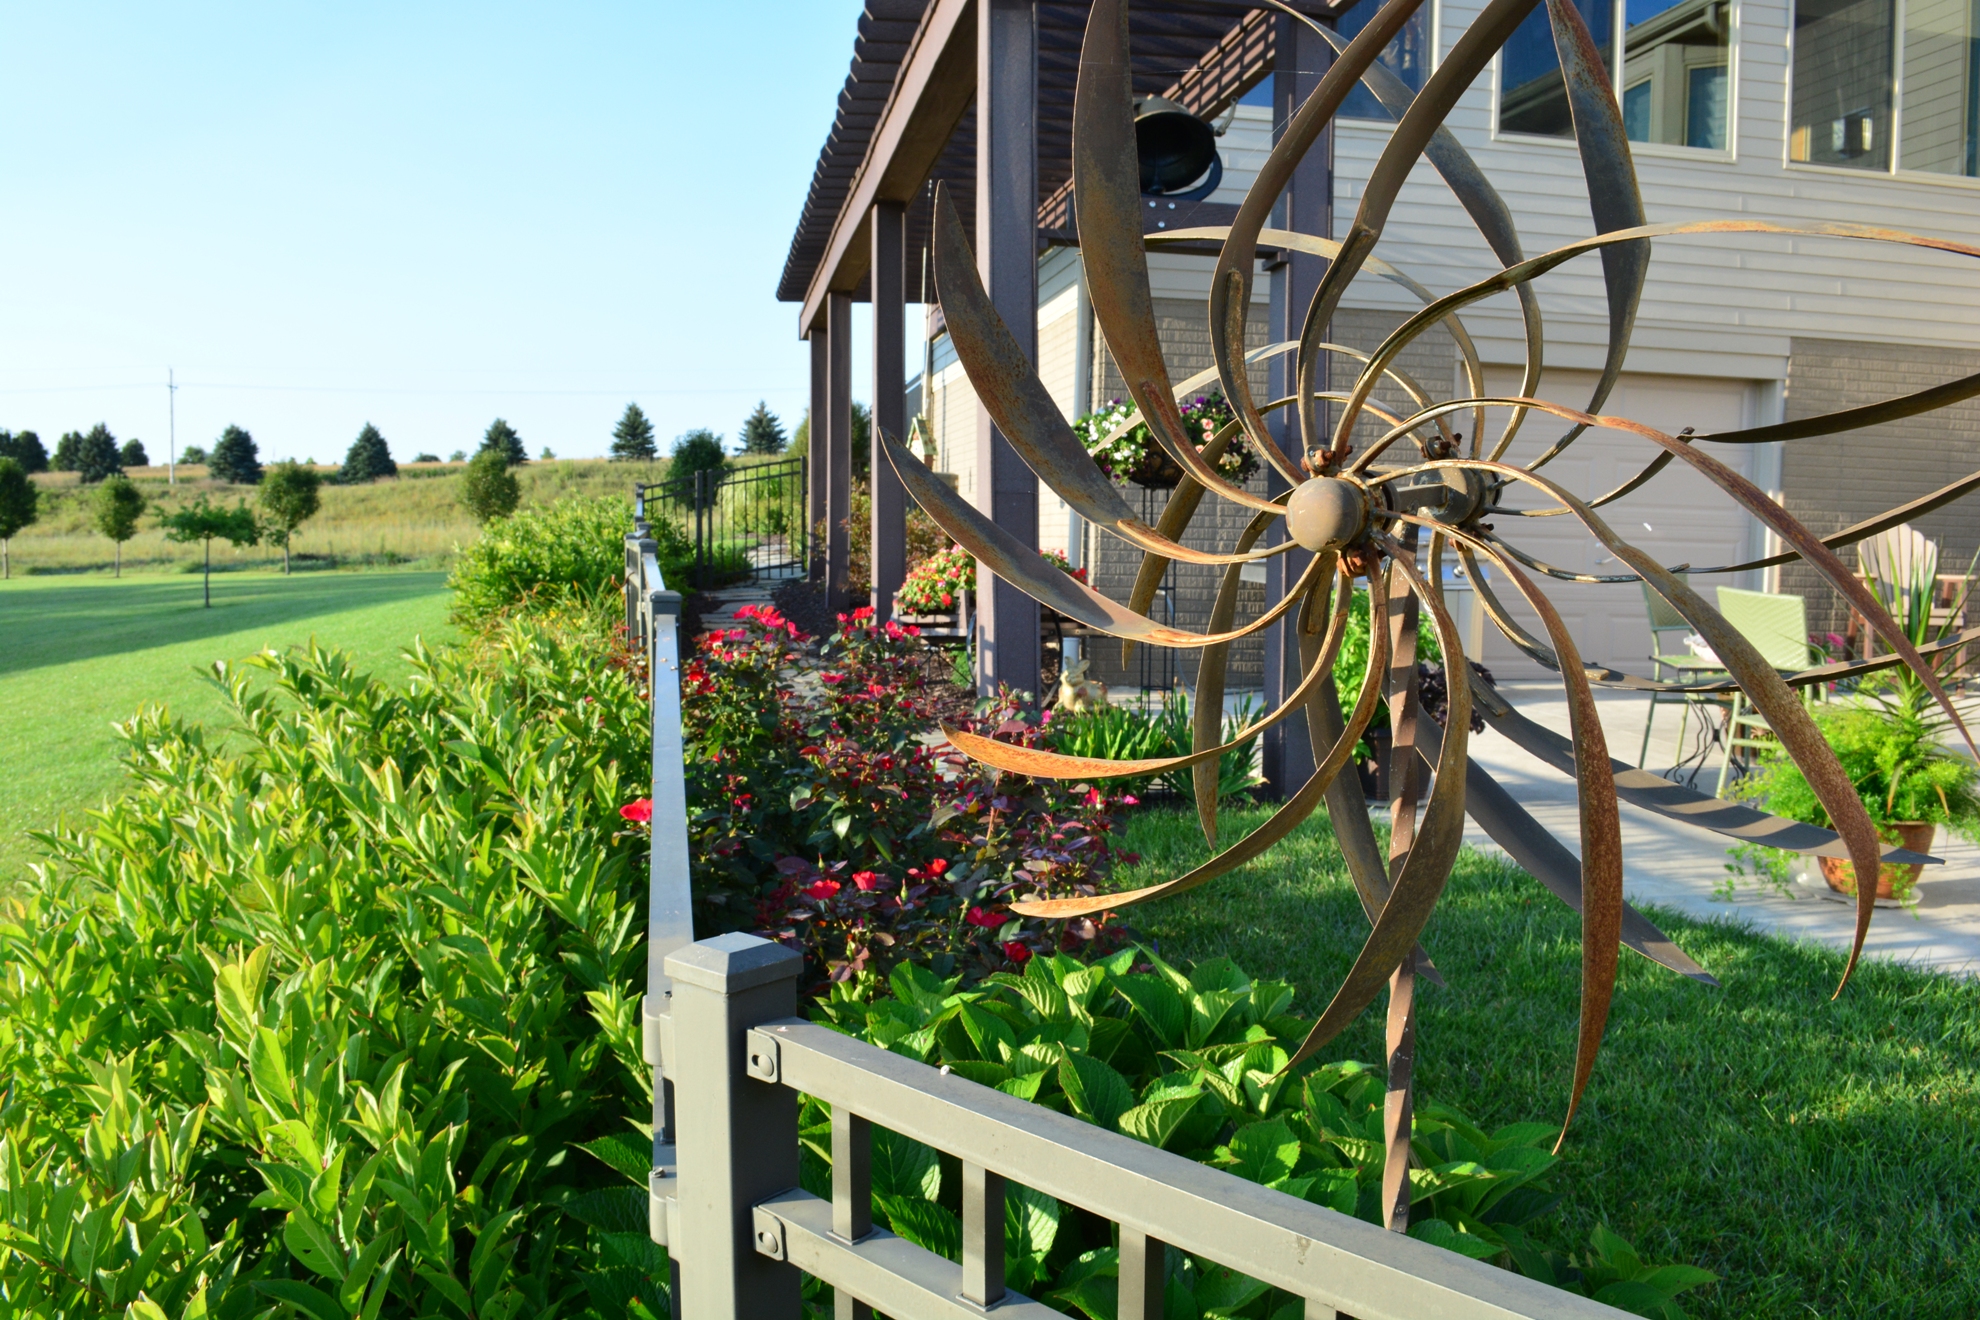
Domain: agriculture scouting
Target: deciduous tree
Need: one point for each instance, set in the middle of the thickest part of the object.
(368, 459)
(490, 490)
(202, 520)
(132, 454)
(119, 504)
(632, 438)
(235, 458)
(25, 448)
(20, 505)
(699, 450)
(192, 456)
(290, 496)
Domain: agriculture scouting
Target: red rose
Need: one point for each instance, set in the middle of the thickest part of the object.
(823, 889)
(641, 810)
(866, 880)
(1017, 953)
(937, 867)
(988, 920)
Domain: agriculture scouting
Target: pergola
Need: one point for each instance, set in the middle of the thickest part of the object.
(978, 95)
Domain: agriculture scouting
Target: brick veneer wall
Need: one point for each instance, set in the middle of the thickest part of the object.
(1833, 481)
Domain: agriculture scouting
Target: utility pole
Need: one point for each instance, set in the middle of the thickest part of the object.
(172, 434)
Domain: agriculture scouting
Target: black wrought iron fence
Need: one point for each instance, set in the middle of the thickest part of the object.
(742, 522)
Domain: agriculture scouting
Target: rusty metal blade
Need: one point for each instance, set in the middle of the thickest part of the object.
(1107, 197)
(1869, 527)
(1613, 196)
(1853, 419)
(1207, 724)
(1277, 826)
(1040, 763)
(1007, 557)
(1541, 856)
(1423, 875)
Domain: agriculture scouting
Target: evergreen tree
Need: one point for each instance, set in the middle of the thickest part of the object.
(132, 454)
(489, 490)
(368, 460)
(119, 503)
(235, 458)
(25, 449)
(632, 438)
(502, 439)
(68, 451)
(20, 505)
(762, 433)
(96, 455)
(201, 521)
(290, 496)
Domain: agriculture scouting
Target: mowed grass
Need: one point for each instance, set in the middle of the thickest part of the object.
(413, 519)
(1822, 1157)
(77, 653)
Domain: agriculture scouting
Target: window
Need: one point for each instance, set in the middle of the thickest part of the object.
(1850, 59)
(1672, 58)
(1407, 56)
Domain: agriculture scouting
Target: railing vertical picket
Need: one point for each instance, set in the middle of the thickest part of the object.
(738, 1128)
(1141, 1295)
(982, 1236)
(852, 1175)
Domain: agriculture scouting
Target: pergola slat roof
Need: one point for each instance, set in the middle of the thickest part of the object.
(1202, 53)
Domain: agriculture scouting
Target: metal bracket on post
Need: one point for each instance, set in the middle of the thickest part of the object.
(765, 1062)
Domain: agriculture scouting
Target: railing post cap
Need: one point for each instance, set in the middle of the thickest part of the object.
(666, 602)
(730, 964)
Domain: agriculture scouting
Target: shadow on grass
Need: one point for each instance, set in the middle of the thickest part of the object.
(1822, 1157)
(52, 625)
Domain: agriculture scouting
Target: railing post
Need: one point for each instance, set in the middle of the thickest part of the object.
(738, 1127)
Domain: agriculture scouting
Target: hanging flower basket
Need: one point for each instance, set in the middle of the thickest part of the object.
(1133, 455)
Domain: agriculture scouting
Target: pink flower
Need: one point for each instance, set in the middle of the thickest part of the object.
(641, 810)
(1016, 952)
(867, 881)
(832, 678)
(1130, 800)
(822, 890)
(988, 920)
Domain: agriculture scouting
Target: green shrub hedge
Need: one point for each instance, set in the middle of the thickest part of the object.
(569, 552)
(341, 1013)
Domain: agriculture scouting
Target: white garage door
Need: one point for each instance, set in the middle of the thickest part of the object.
(1679, 516)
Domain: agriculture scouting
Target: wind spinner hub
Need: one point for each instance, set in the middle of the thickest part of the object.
(1326, 513)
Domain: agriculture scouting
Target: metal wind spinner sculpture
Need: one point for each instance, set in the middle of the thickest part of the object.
(1361, 515)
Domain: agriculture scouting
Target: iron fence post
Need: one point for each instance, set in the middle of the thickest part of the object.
(738, 1126)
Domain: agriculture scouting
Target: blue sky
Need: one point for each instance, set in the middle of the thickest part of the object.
(418, 215)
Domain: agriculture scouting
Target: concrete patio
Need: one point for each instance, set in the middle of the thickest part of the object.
(1676, 866)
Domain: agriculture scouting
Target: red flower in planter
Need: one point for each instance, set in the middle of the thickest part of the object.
(641, 810)
(988, 920)
(822, 890)
(1017, 953)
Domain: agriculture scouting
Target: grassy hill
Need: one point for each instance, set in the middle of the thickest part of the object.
(415, 519)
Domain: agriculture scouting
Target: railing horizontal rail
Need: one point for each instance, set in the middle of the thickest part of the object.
(1277, 1239)
(888, 1273)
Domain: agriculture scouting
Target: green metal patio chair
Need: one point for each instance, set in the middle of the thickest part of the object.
(1777, 625)
(1672, 664)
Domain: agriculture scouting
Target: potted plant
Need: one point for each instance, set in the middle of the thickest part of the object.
(1910, 784)
(1133, 455)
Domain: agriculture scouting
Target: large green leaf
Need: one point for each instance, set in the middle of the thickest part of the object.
(1157, 1118)
(903, 1167)
(1097, 1092)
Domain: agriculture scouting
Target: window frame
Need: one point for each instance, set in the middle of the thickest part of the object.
(1895, 170)
(1666, 150)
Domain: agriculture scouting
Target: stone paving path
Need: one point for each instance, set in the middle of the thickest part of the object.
(1677, 866)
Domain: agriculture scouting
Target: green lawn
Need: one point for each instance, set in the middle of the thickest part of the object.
(1822, 1157)
(79, 652)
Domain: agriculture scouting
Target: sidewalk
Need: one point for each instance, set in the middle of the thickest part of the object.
(1676, 866)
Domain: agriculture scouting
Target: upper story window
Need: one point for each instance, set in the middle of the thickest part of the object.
(1407, 56)
(1880, 84)
(1674, 59)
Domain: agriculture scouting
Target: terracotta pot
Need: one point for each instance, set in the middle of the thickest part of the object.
(1913, 834)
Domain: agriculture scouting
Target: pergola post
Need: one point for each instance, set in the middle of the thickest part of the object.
(814, 466)
(888, 280)
(838, 447)
(1307, 205)
(1007, 255)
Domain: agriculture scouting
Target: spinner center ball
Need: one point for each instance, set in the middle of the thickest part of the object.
(1326, 513)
